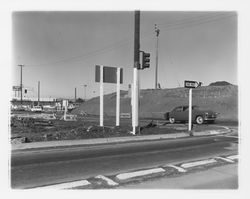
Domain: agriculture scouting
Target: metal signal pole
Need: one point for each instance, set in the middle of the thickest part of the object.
(21, 82)
(135, 101)
(157, 31)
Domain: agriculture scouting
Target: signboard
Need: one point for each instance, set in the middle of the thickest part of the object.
(190, 84)
(65, 103)
(16, 88)
(109, 74)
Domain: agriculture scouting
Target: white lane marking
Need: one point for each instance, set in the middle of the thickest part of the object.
(177, 168)
(214, 132)
(108, 180)
(66, 185)
(198, 163)
(225, 127)
(231, 136)
(232, 146)
(225, 159)
(125, 176)
(233, 157)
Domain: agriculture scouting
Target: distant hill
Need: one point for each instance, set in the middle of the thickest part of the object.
(220, 83)
(154, 103)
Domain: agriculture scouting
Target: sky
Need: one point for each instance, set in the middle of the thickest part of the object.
(61, 49)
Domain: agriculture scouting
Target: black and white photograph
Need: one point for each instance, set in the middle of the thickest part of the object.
(132, 99)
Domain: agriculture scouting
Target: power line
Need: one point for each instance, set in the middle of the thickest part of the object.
(171, 26)
(181, 21)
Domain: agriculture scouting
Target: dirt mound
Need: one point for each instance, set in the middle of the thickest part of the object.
(220, 83)
(154, 103)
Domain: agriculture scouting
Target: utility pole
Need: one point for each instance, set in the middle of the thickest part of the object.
(157, 31)
(21, 82)
(85, 91)
(38, 98)
(75, 94)
(135, 101)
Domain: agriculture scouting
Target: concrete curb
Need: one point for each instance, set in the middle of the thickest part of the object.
(67, 185)
(129, 175)
(198, 163)
(123, 178)
(98, 141)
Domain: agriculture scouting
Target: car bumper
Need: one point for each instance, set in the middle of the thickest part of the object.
(209, 118)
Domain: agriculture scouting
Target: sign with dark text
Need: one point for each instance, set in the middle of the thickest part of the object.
(190, 84)
(109, 74)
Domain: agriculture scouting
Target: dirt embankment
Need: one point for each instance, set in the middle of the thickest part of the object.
(154, 103)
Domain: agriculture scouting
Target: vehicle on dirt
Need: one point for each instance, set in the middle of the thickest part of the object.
(36, 109)
(199, 116)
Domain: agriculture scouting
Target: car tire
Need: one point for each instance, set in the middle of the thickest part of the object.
(199, 120)
(171, 120)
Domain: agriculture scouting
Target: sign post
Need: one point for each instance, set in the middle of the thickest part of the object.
(190, 85)
(190, 110)
(101, 95)
(65, 104)
(118, 98)
(107, 74)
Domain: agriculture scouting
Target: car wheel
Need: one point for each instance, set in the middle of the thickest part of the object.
(199, 120)
(171, 120)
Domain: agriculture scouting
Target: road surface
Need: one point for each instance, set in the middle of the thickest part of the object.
(33, 168)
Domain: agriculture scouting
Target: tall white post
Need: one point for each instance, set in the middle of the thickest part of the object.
(118, 97)
(190, 111)
(101, 95)
(132, 103)
(65, 104)
(135, 101)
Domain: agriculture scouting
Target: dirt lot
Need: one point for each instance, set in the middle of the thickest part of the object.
(25, 129)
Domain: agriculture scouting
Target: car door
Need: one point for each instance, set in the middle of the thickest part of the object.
(177, 113)
(184, 115)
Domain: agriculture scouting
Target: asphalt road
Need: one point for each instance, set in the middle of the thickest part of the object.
(32, 168)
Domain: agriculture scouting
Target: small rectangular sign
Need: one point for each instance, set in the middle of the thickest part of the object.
(65, 103)
(190, 84)
(109, 74)
(16, 88)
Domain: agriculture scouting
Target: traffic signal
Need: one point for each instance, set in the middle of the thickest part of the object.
(145, 60)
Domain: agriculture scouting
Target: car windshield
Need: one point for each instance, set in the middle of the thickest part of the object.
(186, 108)
(195, 107)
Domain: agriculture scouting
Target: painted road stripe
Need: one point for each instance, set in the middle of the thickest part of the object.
(224, 159)
(233, 157)
(213, 132)
(230, 136)
(177, 168)
(108, 180)
(125, 176)
(198, 163)
(67, 185)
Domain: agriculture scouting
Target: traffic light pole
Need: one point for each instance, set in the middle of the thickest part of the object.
(135, 102)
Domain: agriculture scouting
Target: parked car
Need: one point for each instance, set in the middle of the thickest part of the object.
(36, 109)
(199, 116)
(125, 115)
